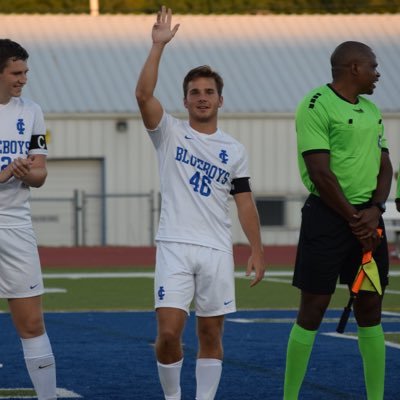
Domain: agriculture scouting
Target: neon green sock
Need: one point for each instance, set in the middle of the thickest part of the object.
(298, 353)
(371, 343)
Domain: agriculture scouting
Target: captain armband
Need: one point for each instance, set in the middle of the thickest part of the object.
(38, 142)
(240, 185)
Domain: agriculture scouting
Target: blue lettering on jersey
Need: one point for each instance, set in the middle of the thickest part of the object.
(14, 147)
(201, 184)
(21, 126)
(206, 172)
(4, 161)
(223, 155)
(161, 293)
(212, 171)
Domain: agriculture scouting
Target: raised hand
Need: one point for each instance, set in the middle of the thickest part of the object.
(162, 32)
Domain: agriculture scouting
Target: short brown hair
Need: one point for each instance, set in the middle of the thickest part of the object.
(204, 71)
(13, 50)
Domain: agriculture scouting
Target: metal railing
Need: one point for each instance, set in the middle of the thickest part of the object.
(86, 219)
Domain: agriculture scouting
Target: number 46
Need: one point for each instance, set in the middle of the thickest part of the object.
(201, 184)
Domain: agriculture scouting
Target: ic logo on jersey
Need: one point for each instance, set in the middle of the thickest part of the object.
(161, 293)
(20, 126)
(223, 156)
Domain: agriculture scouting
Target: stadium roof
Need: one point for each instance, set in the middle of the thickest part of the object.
(83, 63)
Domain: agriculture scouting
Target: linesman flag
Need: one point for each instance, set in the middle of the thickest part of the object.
(370, 281)
(367, 278)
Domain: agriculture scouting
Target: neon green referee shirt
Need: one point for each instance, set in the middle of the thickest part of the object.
(352, 134)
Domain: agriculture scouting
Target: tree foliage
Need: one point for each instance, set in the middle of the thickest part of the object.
(202, 6)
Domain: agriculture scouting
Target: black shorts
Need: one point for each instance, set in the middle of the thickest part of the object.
(327, 249)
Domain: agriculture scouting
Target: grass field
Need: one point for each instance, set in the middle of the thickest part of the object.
(132, 289)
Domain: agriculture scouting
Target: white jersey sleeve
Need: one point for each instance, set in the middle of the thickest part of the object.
(196, 172)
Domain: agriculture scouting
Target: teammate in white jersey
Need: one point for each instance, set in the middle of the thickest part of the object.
(200, 167)
(23, 154)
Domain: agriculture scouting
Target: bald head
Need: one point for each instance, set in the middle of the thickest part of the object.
(348, 53)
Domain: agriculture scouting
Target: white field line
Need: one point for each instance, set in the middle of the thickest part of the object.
(106, 275)
(391, 313)
(61, 394)
(331, 334)
(344, 336)
(278, 320)
(387, 291)
(391, 291)
(98, 275)
(91, 275)
(55, 290)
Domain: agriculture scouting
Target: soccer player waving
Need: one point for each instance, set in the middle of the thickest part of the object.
(200, 166)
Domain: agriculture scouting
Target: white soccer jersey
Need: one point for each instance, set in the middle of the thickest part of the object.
(22, 132)
(196, 172)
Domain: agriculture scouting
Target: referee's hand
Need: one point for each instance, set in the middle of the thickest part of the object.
(370, 243)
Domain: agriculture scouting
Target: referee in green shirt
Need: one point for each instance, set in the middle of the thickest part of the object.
(344, 163)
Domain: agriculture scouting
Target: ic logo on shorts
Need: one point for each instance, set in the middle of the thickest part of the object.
(20, 126)
(161, 293)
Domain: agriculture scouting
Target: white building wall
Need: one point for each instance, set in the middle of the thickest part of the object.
(270, 141)
(130, 163)
(392, 131)
(129, 166)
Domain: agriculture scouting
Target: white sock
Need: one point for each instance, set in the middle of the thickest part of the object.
(41, 366)
(208, 375)
(170, 379)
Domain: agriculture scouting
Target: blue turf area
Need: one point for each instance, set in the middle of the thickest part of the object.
(107, 356)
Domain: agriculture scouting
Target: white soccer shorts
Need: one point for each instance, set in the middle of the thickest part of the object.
(187, 272)
(20, 272)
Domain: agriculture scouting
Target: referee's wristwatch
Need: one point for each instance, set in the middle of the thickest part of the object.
(381, 206)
